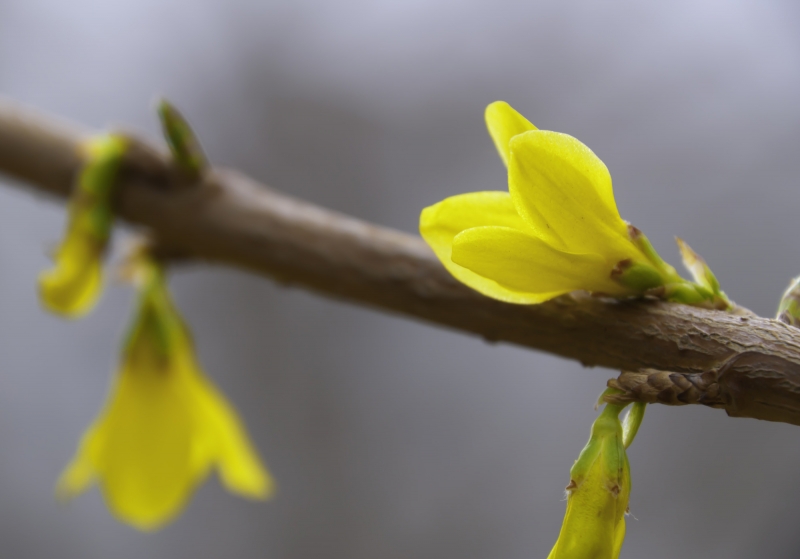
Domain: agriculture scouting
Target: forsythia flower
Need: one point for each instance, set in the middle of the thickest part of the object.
(71, 288)
(165, 425)
(598, 492)
(556, 230)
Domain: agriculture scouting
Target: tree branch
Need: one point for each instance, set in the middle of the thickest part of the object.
(753, 363)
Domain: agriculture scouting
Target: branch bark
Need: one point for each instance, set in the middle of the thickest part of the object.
(229, 219)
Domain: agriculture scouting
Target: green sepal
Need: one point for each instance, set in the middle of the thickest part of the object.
(668, 273)
(687, 293)
(104, 155)
(693, 294)
(157, 332)
(636, 276)
(90, 205)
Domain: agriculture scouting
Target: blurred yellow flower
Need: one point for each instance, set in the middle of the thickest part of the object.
(556, 230)
(597, 494)
(72, 287)
(165, 425)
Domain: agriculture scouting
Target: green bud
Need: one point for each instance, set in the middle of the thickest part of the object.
(699, 269)
(183, 143)
(632, 422)
(599, 489)
(789, 307)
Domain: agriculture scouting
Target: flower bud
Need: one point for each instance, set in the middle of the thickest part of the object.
(789, 307)
(598, 492)
(183, 143)
(702, 274)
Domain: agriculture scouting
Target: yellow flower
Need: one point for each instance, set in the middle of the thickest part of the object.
(165, 425)
(71, 288)
(556, 230)
(597, 494)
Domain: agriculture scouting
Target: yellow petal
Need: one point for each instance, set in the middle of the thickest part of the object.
(225, 438)
(440, 223)
(563, 190)
(81, 471)
(72, 286)
(220, 438)
(504, 123)
(527, 266)
(144, 468)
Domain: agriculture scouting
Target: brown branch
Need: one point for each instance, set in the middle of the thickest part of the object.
(232, 220)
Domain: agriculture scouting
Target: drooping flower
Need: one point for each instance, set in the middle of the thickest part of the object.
(165, 425)
(599, 489)
(556, 230)
(73, 285)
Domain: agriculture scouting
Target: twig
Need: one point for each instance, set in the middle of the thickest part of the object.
(230, 219)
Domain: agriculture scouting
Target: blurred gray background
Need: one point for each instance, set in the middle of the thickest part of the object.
(390, 438)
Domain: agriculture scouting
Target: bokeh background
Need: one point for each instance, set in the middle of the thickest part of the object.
(391, 438)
